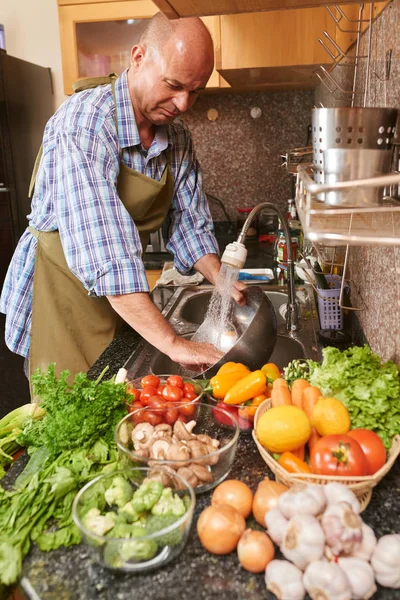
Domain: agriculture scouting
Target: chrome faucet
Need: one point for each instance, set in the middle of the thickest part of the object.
(235, 255)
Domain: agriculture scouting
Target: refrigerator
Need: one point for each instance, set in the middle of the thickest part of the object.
(26, 104)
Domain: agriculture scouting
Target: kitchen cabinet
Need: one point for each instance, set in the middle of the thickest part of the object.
(174, 9)
(96, 39)
(153, 275)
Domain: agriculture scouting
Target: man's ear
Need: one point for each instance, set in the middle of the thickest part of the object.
(137, 57)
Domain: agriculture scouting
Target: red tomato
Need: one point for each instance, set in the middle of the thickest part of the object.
(173, 394)
(338, 455)
(372, 446)
(187, 409)
(171, 415)
(189, 396)
(147, 392)
(189, 387)
(150, 417)
(151, 380)
(135, 406)
(158, 404)
(160, 389)
(136, 393)
(175, 381)
(224, 419)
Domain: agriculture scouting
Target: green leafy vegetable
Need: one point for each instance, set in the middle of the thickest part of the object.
(369, 389)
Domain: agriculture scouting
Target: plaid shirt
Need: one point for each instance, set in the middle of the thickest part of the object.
(75, 193)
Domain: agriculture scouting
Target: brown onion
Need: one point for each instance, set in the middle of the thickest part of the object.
(255, 550)
(266, 498)
(220, 528)
(234, 493)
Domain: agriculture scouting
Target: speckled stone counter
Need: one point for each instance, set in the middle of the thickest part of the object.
(69, 574)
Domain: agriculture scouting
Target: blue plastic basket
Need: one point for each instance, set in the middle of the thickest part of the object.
(330, 313)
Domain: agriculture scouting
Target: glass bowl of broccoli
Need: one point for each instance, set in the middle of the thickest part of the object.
(136, 519)
(201, 451)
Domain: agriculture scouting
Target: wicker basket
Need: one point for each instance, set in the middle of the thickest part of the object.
(361, 486)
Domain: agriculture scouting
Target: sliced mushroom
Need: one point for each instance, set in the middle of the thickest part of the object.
(197, 450)
(163, 431)
(188, 475)
(159, 449)
(181, 431)
(157, 475)
(202, 473)
(206, 439)
(142, 452)
(179, 452)
(142, 435)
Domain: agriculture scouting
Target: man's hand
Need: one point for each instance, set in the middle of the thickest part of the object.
(209, 266)
(194, 354)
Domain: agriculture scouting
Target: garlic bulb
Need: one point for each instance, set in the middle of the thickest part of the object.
(367, 545)
(337, 492)
(284, 580)
(304, 541)
(360, 575)
(342, 528)
(386, 561)
(302, 500)
(326, 581)
(276, 525)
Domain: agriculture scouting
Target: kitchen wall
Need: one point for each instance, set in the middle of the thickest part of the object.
(32, 34)
(376, 270)
(240, 155)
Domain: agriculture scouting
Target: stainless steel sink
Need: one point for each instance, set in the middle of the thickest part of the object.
(186, 311)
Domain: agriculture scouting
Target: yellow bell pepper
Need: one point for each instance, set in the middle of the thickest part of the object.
(222, 382)
(247, 388)
(248, 412)
(229, 367)
(271, 371)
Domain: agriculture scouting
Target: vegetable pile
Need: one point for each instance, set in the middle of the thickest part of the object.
(126, 515)
(369, 389)
(70, 445)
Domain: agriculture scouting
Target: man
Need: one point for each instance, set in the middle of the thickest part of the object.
(114, 166)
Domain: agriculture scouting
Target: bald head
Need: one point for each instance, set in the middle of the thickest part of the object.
(169, 66)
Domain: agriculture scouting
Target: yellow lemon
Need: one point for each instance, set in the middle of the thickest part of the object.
(330, 416)
(283, 428)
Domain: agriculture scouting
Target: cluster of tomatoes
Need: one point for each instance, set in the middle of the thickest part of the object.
(158, 402)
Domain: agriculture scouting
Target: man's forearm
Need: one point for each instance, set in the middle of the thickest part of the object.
(209, 266)
(141, 314)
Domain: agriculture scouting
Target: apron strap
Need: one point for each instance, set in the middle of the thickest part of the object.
(34, 172)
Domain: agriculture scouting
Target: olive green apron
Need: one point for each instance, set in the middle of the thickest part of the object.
(69, 327)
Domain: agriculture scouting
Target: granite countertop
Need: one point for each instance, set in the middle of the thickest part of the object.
(70, 574)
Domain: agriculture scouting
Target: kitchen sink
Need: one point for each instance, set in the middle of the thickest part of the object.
(187, 308)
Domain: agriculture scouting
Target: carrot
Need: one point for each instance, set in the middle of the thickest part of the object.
(298, 386)
(311, 395)
(313, 439)
(293, 464)
(280, 382)
(299, 453)
(281, 396)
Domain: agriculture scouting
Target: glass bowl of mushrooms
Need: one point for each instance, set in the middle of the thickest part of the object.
(200, 451)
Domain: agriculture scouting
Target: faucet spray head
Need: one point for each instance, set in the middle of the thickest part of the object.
(235, 255)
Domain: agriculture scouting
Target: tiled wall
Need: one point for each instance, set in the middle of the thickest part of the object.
(239, 155)
(376, 270)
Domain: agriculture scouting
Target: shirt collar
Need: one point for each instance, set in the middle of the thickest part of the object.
(128, 133)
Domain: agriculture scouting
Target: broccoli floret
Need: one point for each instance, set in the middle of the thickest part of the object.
(119, 492)
(98, 523)
(147, 495)
(169, 504)
(157, 522)
(117, 554)
(129, 513)
(120, 530)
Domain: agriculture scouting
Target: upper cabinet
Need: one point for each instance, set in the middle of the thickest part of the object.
(198, 8)
(96, 38)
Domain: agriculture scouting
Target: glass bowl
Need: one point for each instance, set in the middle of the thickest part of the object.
(145, 550)
(201, 451)
(174, 401)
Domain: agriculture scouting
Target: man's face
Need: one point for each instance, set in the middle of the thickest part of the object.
(165, 86)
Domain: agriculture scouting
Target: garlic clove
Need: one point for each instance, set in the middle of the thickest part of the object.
(326, 581)
(365, 548)
(385, 560)
(284, 580)
(276, 525)
(342, 528)
(304, 541)
(360, 575)
(302, 500)
(337, 492)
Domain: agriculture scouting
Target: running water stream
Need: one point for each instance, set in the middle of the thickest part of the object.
(217, 327)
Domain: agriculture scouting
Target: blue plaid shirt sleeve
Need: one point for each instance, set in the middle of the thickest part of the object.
(100, 240)
(189, 226)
